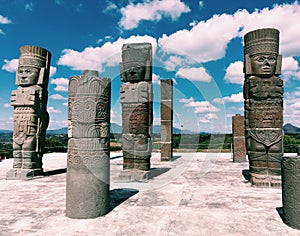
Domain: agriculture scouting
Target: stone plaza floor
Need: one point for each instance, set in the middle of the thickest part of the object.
(195, 194)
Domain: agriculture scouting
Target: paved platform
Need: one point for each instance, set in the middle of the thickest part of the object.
(195, 194)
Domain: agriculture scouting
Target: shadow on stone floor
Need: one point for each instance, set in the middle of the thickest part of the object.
(55, 172)
(246, 174)
(120, 195)
(154, 172)
(174, 158)
(280, 212)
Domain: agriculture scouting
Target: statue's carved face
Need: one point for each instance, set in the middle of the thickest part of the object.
(263, 64)
(28, 75)
(136, 73)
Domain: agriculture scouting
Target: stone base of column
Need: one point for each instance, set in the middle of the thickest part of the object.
(23, 174)
(272, 181)
(166, 151)
(88, 178)
(133, 175)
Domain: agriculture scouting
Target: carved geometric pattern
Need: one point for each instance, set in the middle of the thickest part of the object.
(88, 146)
(291, 191)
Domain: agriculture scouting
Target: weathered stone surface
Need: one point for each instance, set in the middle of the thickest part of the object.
(263, 93)
(166, 89)
(135, 118)
(136, 92)
(238, 132)
(87, 194)
(166, 151)
(30, 112)
(136, 97)
(89, 106)
(166, 110)
(136, 63)
(166, 130)
(291, 191)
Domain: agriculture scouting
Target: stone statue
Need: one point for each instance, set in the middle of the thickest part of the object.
(263, 93)
(87, 193)
(30, 112)
(136, 96)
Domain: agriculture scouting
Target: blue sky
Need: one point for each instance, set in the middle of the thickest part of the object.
(198, 44)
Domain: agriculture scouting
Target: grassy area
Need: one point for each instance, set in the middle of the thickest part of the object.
(182, 143)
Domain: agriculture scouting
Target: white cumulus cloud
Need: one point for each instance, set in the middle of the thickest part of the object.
(199, 106)
(4, 20)
(154, 10)
(234, 73)
(207, 40)
(208, 118)
(195, 74)
(52, 71)
(58, 97)
(96, 58)
(290, 68)
(10, 65)
(61, 84)
(53, 110)
(238, 97)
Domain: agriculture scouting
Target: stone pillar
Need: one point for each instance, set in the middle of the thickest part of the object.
(136, 97)
(166, 111)
(291, 191)
(238, 135)
(263, 93)
(88, 169)
(30, 112)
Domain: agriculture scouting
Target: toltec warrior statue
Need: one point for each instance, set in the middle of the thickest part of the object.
(136, 96)
(30, 114)
(263, 93)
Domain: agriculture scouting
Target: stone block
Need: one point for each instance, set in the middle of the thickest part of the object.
(166, 151)
(135, 118)
(136, 92)
(166, 110)
(166, 90)
(166, 130)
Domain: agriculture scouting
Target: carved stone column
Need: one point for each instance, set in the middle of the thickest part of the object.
(263, 93)
(238, 133)
(30, 112)
(88, 169)
(166, 112)
(291, 191)
(136, 96)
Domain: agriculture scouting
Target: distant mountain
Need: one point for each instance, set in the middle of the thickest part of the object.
(58, 131)
(117, 129)
(2, 131)
(291, 129)
(156, 130)
(114, 128)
